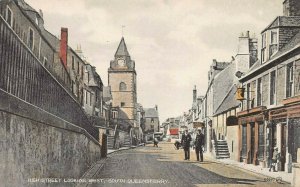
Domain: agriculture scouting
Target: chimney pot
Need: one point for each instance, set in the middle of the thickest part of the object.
(247, 34)
(64, 46)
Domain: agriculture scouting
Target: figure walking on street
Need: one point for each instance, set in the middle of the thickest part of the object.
(155, 142)
(185, 141)
(199, 143)
(275, 159)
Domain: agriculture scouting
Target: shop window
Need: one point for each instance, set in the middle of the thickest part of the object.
(244, 140)
(261, 140)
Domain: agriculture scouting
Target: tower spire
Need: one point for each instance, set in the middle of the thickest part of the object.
(122, 49)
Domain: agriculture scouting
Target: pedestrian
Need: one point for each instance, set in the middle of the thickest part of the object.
(199, 143)
(185, 141)
(177, 144)
(155, 142)
(275, 159)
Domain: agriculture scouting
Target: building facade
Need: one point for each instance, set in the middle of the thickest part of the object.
(269, 115)
(151, 120)
(122, 80)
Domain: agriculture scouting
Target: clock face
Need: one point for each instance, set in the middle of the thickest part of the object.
(121, 62)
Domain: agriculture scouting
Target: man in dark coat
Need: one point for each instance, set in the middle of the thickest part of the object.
(199, 143)
(185, 141)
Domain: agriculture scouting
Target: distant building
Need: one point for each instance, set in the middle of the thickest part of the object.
(106, 111)
(151, 120)
(93, 104)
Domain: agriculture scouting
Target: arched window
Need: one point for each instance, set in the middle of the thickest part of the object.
(122, 86)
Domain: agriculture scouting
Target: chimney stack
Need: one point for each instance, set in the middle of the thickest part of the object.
(291, 8)
(194, 94)
(156, 108)
(64, 46)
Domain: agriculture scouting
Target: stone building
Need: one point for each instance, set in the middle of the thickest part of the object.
(122, 80)
(28, 24)
(151, 120)
(93, 104)
(66, 65)
(106, 109)
(210, 99)
(270, 113)
(219, 103)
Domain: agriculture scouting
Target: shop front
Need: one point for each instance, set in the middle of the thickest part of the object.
(252, 133)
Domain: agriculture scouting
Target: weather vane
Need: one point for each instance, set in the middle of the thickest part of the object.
(123, 26)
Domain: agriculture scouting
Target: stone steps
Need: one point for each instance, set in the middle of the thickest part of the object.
(221, 149)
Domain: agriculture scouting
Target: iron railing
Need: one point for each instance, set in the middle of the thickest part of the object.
(24, 76)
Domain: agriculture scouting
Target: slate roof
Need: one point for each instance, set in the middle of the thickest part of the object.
(290, 45)
(53, 40)
(229, 101)
(284, 21)
(222, 84)
(95, 79)
(293, 43)
(151, 113)
(26, 6)
(106, 93)
(122, 49)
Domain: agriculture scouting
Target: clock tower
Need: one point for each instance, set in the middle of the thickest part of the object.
(122, 80)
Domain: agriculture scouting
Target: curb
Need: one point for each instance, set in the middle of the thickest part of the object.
(122, 149)
(244, 169)
(92, 171)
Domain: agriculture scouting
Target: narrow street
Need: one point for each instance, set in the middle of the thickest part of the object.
(166, 167)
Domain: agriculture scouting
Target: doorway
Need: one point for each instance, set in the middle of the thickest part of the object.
(283, 145)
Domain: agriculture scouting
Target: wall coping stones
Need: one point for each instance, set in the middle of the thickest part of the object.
(11, 104)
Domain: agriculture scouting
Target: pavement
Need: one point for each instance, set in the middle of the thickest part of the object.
(165, 166)
(110, 151)
(280, 175)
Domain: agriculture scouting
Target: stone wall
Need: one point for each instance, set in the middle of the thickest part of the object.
(233, 142)
(37, 144)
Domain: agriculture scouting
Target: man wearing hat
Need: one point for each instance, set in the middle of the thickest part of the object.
(185, 142)
(276, 156)
(199, 143)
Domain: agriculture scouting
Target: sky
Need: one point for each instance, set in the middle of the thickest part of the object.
(173, 42)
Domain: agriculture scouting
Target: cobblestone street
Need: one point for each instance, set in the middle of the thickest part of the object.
(166, 167)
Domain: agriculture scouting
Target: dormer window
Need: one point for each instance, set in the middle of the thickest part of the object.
(273, 44)
(9, 16)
